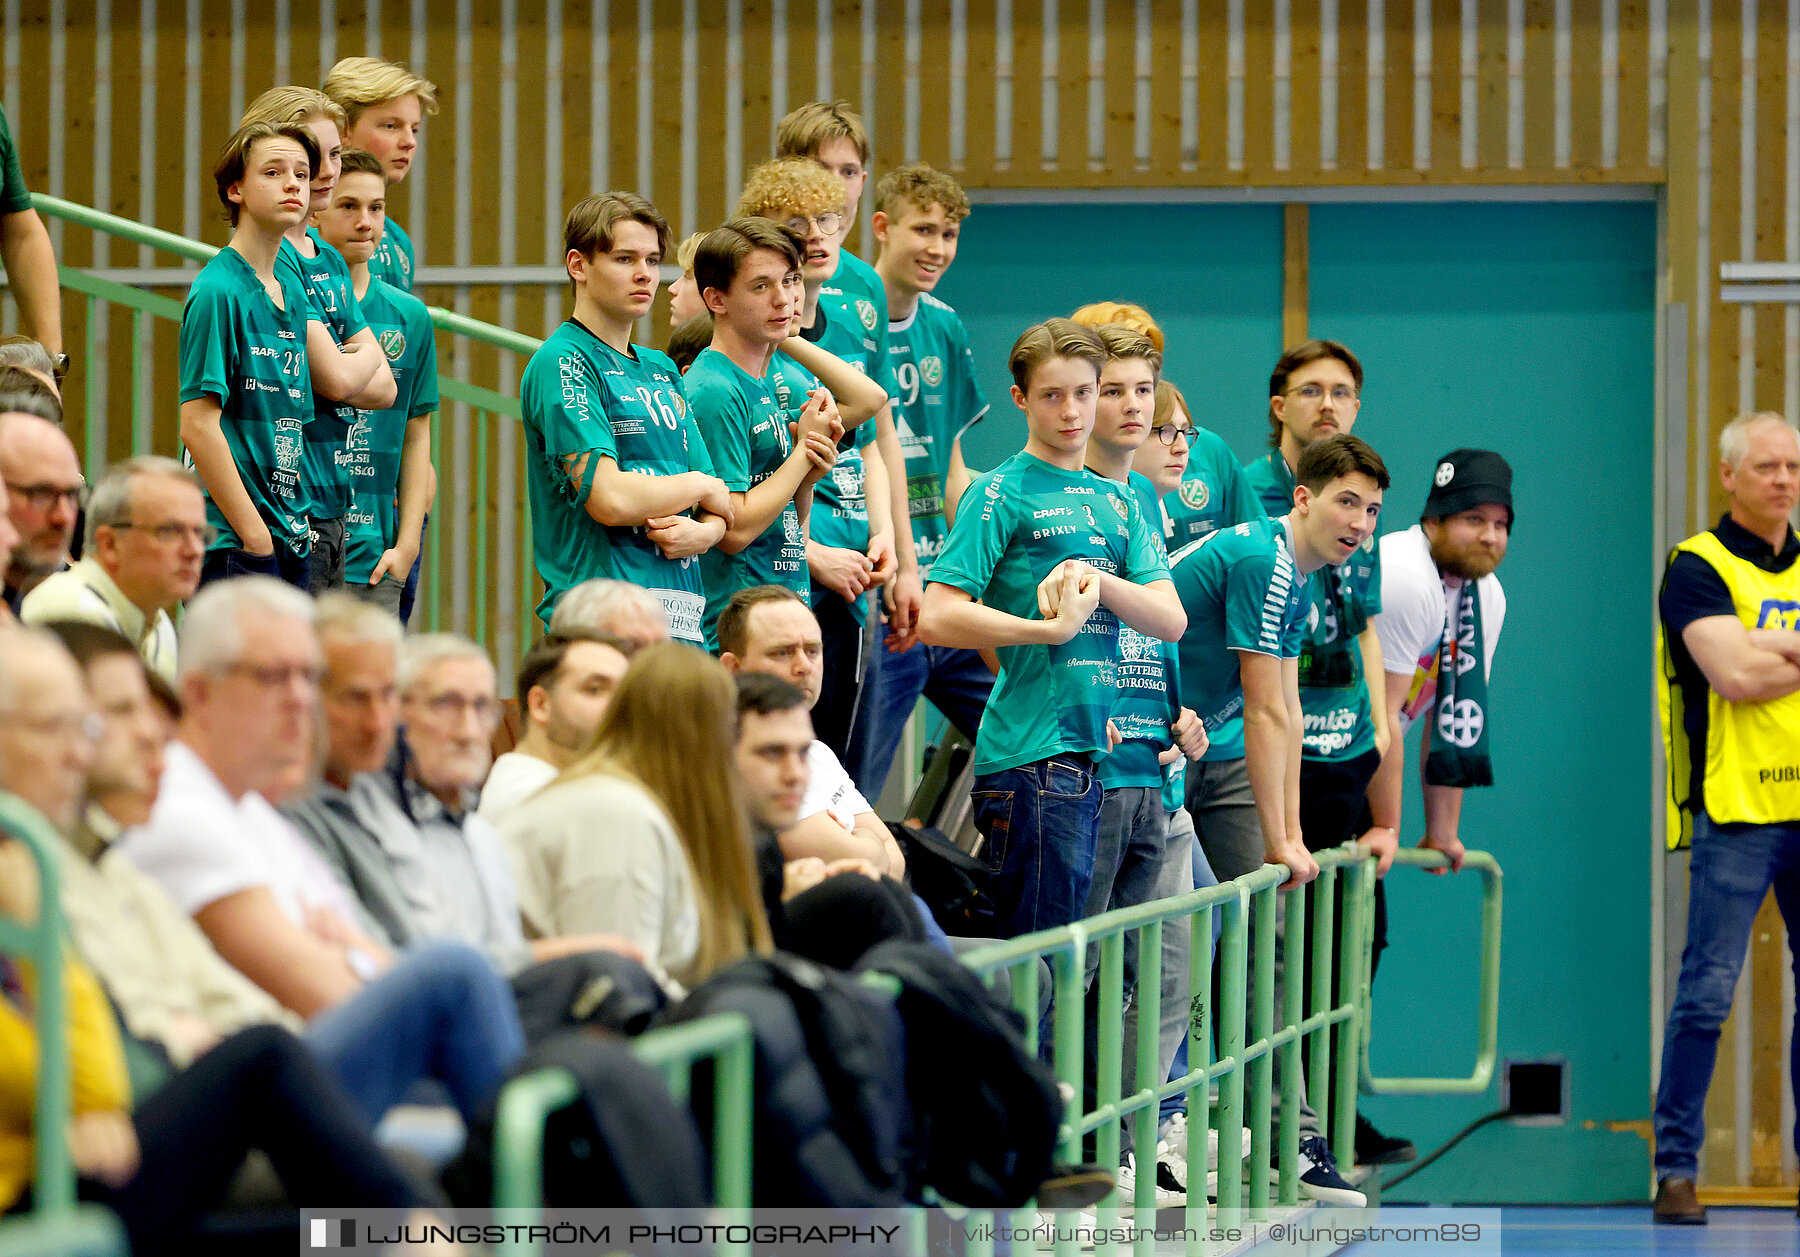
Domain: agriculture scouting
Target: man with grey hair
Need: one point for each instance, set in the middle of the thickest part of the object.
(146, 536)
(1730, 699)
(35, 367)
(44, 484)
(47, 730)
(394, 818)
(604, 605)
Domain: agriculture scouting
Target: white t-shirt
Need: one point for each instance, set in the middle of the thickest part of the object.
(200, 845)
(514, 778)
(830, 789)
(1416, 604)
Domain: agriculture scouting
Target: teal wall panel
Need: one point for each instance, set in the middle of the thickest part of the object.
(1211, 274)
(1527, 329)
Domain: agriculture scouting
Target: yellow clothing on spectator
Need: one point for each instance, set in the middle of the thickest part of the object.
(85, 593)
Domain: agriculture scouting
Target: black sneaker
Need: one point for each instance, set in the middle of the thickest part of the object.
(1375, 1148)
(1319, 1177)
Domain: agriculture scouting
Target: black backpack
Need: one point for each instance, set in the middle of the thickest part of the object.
(831, 1121)
(953, 883)
(986, 1111)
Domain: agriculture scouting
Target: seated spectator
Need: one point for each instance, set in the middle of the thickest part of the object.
(27, 367)
(393, 819)
(564, 685)
(829, 912)
(614, 607)
(769, 629)
(261, 895)
(671, 866)
(168, 1164)
(43, 479)
(146, 535)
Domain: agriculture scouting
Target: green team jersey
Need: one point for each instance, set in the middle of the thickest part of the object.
(1241, 591)
(249, 355)
(1334, 694)
(14, 195)
(375, 439)
(583, 397)
(1017, 522)
(938, 401)
(1213, 492)
(1148, 690)
(854, 304)
(393, 260)
(746, 434)
(325, 278)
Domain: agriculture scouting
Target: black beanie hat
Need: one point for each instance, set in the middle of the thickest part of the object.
(1467, 478)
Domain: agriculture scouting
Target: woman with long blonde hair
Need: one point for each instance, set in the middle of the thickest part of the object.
(645, 835)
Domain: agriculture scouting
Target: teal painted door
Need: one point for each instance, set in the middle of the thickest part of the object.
(1527, 329)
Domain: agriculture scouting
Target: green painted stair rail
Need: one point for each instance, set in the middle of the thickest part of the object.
(56, 1224)
(1487, 1015)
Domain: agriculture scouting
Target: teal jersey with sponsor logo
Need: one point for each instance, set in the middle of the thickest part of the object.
(1212, 494)
(1241, 591)
(375, 439)
(1334, 693)
(938, 401)
(325, 277)
(854, 305)
(1015, 524)
(1148, 690)
(249, 355)
(746, 434)
(393, 260)
(583, 397)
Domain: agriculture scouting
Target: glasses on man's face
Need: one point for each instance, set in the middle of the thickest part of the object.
(828, 223)
(169, 533)
(451, 706)
(273, 676)
(44, 498)
(1167, 432)
(1315, 392)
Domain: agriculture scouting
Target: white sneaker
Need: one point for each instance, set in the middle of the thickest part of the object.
(1170, 1192)
(1044, 1234)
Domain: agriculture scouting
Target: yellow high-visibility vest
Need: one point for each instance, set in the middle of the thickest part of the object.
(1752, 753)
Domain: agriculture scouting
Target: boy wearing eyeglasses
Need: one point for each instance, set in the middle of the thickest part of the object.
(1315, 393)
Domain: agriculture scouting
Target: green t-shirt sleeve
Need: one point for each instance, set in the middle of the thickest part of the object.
(724, 422)
(14, 195)
(1146, 556)
(569, 411)
(353, 320)
(1241, 503)
(1256, 608)
(1371, 594)
(975, 545)
(205, 346)
(967, 405)
(882, 370)
(425, 373)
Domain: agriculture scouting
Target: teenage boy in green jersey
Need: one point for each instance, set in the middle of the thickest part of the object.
(918, 219)
(748, 273)
(1043, 564)
(1315, 392)
(389, 451)
(245, 390)
(614, 461)
(337, 321)
(384, 106)
(1245, 591)
(850, 548)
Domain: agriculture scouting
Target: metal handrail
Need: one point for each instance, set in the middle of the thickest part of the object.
(1487, 1016)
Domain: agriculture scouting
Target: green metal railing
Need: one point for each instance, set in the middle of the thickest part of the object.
(486, 406)
(56, 1224)
(527, 1103)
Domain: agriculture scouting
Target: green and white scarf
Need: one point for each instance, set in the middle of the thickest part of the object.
(1459, 731)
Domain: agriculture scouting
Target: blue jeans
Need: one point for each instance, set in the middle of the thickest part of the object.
(1732, 869)
(1128, 862)
(1177, 1002)
(1041, 822)
(441, 1012)
(956, 682)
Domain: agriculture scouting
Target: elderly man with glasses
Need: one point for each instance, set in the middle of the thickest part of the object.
(44, 492)
(146, 536)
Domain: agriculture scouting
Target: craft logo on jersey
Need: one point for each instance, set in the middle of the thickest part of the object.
(931, 370)
(393, 343)
(1778, 613)
(1194, 494)
(865, 310)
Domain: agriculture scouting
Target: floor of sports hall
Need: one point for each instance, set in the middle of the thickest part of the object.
(1580, 1231)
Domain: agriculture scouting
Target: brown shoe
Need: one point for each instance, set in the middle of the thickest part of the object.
(1677, 1204)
